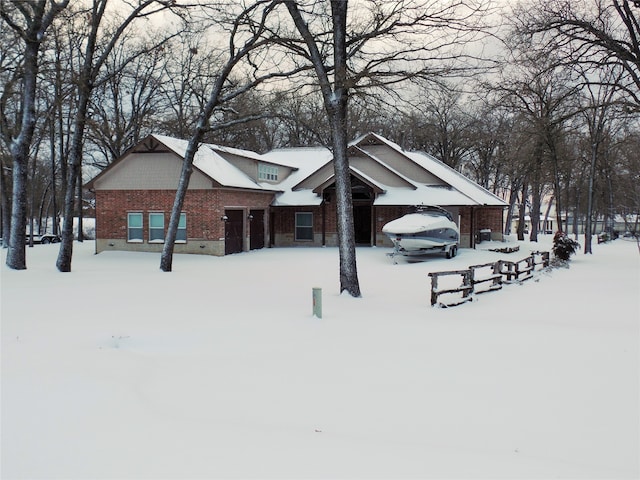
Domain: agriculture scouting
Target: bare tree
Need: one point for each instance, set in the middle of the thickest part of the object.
(443, 124)
(373, 45)
(99, 45)
(248, 35)
(594, 33)
(544, 94)
(597, 116)
(10, 86)
(30, 19)
(336, 95)
(126, 106)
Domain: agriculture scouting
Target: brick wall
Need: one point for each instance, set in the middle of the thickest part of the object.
(485, 217)
(203, 208)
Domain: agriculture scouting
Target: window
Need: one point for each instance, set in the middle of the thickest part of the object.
(181, 234)
(156, 227)
(134, 227)
(304, 226)
(267, 172)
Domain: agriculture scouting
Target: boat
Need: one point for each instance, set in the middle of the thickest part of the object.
(427, 230)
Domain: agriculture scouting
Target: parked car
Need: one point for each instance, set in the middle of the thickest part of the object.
(44, 238)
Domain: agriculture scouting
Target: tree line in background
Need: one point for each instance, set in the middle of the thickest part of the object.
(538, 101)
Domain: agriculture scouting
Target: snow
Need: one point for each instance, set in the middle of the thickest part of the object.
(464, 187)
(219, 369)
(305, 160)
(209, 161)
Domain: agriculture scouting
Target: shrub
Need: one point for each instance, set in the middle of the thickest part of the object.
(563, 246)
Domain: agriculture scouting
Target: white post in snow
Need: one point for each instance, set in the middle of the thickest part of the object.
(317, 302)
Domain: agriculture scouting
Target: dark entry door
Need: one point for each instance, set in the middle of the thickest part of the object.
(233, 231)
(256, 229)
(362, 224)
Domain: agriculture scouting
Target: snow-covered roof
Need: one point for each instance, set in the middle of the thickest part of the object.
(424, 195)
(397, 176)
(462, 184)
(306, 160)
(456, 188)
(209, 161)
(464, 191)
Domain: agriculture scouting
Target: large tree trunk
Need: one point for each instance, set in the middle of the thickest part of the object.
(166, 259)
(337, 109)
(5, 205)
(335, 96)
(344, 204)
(75, 164)
(16, 256)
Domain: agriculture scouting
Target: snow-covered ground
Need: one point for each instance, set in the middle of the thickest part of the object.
(219, 369)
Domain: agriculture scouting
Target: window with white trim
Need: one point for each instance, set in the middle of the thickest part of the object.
(304, 226)
(156, 227)
(181, 234)
(267, 172)
(134, 227)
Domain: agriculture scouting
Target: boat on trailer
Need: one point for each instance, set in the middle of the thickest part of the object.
(427, 230)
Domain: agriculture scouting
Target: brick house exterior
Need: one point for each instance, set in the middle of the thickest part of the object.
(239, 201)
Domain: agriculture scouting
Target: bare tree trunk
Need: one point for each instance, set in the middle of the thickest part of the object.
(16, 256)
(534, 214)
(522, 211)
(215, 98)
(80, 207)
(166, 259)
(66, 245)
(5, 205)
(513, 198)
(336, 105)
(546, 217)
(576, 214)
(54, 192)
(590, 193)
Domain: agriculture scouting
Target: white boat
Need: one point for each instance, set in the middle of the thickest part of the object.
(429, 229)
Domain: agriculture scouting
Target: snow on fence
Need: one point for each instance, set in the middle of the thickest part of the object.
(460, 285)
(523, 269)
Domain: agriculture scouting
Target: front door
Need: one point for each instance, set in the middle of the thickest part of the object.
(362, 224)
(233, 229)
(256, 229)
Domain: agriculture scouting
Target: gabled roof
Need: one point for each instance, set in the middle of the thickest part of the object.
(307, 160)
(453, 188)
(397, 177)
(209, 161)
(461, 191)
(375, 186)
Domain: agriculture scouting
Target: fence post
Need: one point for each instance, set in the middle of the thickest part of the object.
(434, 288)
(317, 302)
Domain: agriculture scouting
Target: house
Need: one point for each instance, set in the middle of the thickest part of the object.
(240, 200)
